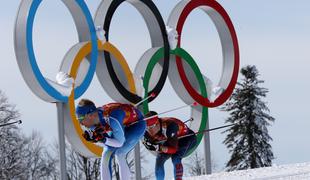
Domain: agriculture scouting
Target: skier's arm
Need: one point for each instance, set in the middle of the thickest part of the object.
(118, 136)
(171, 144)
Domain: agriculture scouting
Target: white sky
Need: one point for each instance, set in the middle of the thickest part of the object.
(273, 35)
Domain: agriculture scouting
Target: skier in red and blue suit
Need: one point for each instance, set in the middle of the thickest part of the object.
(163, 136)
(113, 125)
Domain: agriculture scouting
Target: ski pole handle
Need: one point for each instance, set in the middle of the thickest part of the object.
(189, 120)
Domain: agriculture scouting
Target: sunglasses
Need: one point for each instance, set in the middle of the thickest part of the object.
(81, 117)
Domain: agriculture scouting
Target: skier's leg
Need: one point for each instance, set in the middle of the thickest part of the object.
(124, 170)
(161, 158)
(133, 134)
(106, 159)
(178, 167)
(185, 145)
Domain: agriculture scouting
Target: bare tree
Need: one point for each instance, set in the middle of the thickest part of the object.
(21, 157)
(11, 157)
(131, 163)
(196, 164)
(39, 161)
(12, 166)
(78, 166)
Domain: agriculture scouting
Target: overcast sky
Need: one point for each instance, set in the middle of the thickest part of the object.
(273, 35)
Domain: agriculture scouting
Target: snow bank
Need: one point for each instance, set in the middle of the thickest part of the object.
(284, 172)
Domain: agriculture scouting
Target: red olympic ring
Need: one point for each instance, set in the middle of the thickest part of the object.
(228, 91)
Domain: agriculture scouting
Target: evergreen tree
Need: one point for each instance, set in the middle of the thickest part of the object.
(248, 141)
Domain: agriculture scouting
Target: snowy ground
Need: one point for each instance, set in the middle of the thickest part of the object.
(284, 172)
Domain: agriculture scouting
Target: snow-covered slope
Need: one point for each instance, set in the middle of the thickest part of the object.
(284, 172)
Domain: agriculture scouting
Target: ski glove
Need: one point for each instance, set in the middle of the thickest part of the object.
(94, 137)
(88, 136)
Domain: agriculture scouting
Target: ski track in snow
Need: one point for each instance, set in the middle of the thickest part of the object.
(284, 172)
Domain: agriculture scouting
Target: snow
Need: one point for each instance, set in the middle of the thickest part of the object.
(299, 171)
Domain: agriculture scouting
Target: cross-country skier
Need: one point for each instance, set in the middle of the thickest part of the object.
(162, 136)
(109, 125)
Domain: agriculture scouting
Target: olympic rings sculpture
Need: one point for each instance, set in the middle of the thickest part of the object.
(92, 55)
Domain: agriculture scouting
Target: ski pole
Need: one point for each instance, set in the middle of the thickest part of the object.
(206, 130)
(152, 95)
(190, 119)
(6, 124)
(174, 109)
